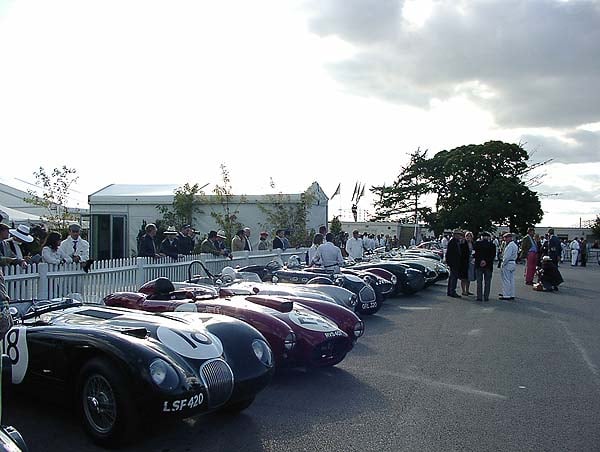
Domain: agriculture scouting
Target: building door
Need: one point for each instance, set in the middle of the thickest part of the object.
(108, 236)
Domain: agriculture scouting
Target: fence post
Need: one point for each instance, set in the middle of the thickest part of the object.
(43, 281)
(139, 273)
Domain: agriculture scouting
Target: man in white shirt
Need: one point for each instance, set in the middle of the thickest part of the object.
(74, 246)
(355, 246)
(574, 247)
(328, 255)
(509, 265)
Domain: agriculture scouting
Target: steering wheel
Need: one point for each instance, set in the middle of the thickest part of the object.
(190, 266)
(226, 279)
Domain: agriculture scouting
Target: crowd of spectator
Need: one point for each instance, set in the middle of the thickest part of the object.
(24, 245)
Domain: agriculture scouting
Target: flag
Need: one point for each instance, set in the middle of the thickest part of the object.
(359, 193)
(362, 193)
(354, 193)
(337, 191)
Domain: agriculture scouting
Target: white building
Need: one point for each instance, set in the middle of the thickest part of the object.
(118, 211)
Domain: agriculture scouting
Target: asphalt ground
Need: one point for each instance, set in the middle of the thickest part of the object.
(432, 373)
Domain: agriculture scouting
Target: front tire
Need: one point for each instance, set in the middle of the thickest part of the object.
(104, 401)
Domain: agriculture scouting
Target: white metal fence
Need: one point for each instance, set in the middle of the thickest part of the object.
(46, 281)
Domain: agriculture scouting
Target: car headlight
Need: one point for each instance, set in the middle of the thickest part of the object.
(359, 329)
(394, 279)
(163, 374)
(352, 300)
(339, 281)
(290, 341)
(262, 352)
(369, 280)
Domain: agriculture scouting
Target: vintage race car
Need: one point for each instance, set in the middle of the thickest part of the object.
(235, 282)
(273, 271)
(433, 247)
(409, 280)
(121, 366)
(435, 270)
(300, 331)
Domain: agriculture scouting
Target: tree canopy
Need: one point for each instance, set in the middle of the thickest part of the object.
(55, 189)
(477, 187)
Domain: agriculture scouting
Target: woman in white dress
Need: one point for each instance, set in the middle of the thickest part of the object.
(51, 253)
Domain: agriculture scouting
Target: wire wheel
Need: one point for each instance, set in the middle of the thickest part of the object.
(99, 404)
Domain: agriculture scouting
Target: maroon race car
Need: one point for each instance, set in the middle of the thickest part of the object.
(300, 331)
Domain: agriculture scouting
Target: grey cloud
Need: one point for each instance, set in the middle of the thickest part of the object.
(568, 193)
(583, 148)
(541, 58)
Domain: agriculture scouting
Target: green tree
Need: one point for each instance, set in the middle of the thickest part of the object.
(227, 216)
(479, 186)
(336, 226)
(186, 203)
(401, 201)
(596, 226)
(281, 213)
(54, 188)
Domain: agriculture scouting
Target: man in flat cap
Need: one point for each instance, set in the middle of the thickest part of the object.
(509, 265)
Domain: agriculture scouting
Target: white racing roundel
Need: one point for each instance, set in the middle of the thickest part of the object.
(15, 346)
(307, 320)
(191, 344)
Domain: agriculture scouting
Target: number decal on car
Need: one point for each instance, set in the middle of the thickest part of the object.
(191, 344)
(309, 321)
(15, 346)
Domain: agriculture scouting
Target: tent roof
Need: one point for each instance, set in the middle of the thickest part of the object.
(162, 193)
(17, 216)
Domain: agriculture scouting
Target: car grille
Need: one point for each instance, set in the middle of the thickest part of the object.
(366, 294)
(218, 379)
(330, 350)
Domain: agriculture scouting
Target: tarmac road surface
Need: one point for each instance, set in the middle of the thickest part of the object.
(432, 373)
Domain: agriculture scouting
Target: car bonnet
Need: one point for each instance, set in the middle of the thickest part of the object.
(185, 336)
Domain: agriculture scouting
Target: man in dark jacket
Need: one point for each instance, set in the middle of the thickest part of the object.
(554, 247)
(485, 252)
(454, 259)
(278, 240)
(147, 245)
(185, 243)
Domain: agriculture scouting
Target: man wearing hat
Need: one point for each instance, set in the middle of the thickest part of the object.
(453, 259)
(6, 254)
(169, 245)
(509, 265)
(263, 245)
(485, 252)
(18, 237)
(210, 244)
(74, 246)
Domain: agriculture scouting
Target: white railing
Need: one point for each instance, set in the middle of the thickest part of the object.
(46, 281)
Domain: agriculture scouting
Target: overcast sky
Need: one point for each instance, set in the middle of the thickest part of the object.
(333, 91)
